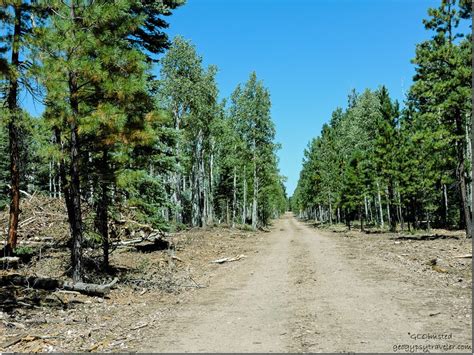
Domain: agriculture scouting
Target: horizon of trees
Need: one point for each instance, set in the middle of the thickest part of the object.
(113, 137)
(381, 164)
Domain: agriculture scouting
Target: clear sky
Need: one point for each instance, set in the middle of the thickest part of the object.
(309, 53)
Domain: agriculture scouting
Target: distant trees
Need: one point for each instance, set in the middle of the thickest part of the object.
(250, 116)
(114, 137)
(220, 155)
(401, 166)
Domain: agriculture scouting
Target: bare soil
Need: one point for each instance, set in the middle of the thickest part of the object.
(298, 289)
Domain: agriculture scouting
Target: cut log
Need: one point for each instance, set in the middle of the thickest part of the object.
(9, 262)
(45, 283)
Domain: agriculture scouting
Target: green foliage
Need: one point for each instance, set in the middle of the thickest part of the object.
(146, 194)
(401, 165)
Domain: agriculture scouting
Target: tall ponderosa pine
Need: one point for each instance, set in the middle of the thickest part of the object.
(95, 76)
(442, 89)
(17, 18)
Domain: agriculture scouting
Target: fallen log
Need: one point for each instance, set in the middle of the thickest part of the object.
(45, 283)
(89, 289)
(228, 259)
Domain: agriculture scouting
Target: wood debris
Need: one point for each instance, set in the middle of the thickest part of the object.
(228, 259)
(45, 283)
(465, 256)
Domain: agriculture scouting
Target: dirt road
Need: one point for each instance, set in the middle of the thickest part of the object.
(301, 291)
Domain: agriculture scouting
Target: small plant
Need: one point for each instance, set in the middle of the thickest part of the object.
(24, 250)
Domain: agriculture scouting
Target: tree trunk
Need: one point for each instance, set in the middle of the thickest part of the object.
(202, 187)
(445, 206)
(380, 204)
(389, 216)
(255, 189)
(73, 188)
(472, 167)
(234, 198)
(391, 211)
(366, 208)
(244, 206)
(102, 223)
(59, 189)
(72, 191)
(400, 212)
(51, 179)
(176, 175)
(254, 201)
(369, 206)
(13, 135)
(210, 197)
(461, 175)
(227, 217)
(197, 193)
(414, 213)
(348, 220)
(330, 211)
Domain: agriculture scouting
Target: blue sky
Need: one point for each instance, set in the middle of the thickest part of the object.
(309, 53)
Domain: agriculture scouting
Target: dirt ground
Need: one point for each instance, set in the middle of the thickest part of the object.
(298, 289)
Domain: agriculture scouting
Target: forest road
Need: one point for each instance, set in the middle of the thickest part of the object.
(297, 292)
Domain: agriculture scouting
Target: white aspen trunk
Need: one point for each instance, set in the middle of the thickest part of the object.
(91, 182)
(338, 215)
(51, 179)
(369, 206)
(196, 215)
(366, 208)
(445, 198)
(469, 158)
(399, 208)
(320, 214)
(210, 213)
(472, 168)
(202, 185)
(244, 205)
(176, 179)
(59, 183)
(330, 209)
(380, 204)
(55, 182)
(255, 197)
(234, 198)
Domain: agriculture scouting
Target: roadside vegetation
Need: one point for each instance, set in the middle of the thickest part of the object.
(401, 167)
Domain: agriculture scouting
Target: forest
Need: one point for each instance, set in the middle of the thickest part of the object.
(401, 166)
(144, 192)
(131, 121)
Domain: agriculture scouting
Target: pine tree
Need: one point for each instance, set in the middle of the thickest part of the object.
(18, 19)
(442, 86)
(96, 81)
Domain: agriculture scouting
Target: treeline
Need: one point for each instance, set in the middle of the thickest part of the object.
(381, 164)
(114, 136)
